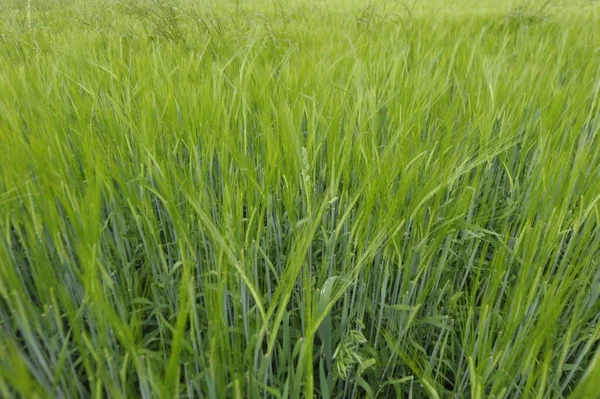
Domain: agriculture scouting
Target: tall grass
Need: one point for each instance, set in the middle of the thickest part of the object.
(299, 200)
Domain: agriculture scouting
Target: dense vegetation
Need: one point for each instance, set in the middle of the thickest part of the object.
(281, 199)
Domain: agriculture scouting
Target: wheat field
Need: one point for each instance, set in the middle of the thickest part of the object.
(283, 199)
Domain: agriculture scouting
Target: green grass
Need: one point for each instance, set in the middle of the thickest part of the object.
(287, 199)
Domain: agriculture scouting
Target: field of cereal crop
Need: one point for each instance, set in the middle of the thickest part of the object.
(275, 199)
